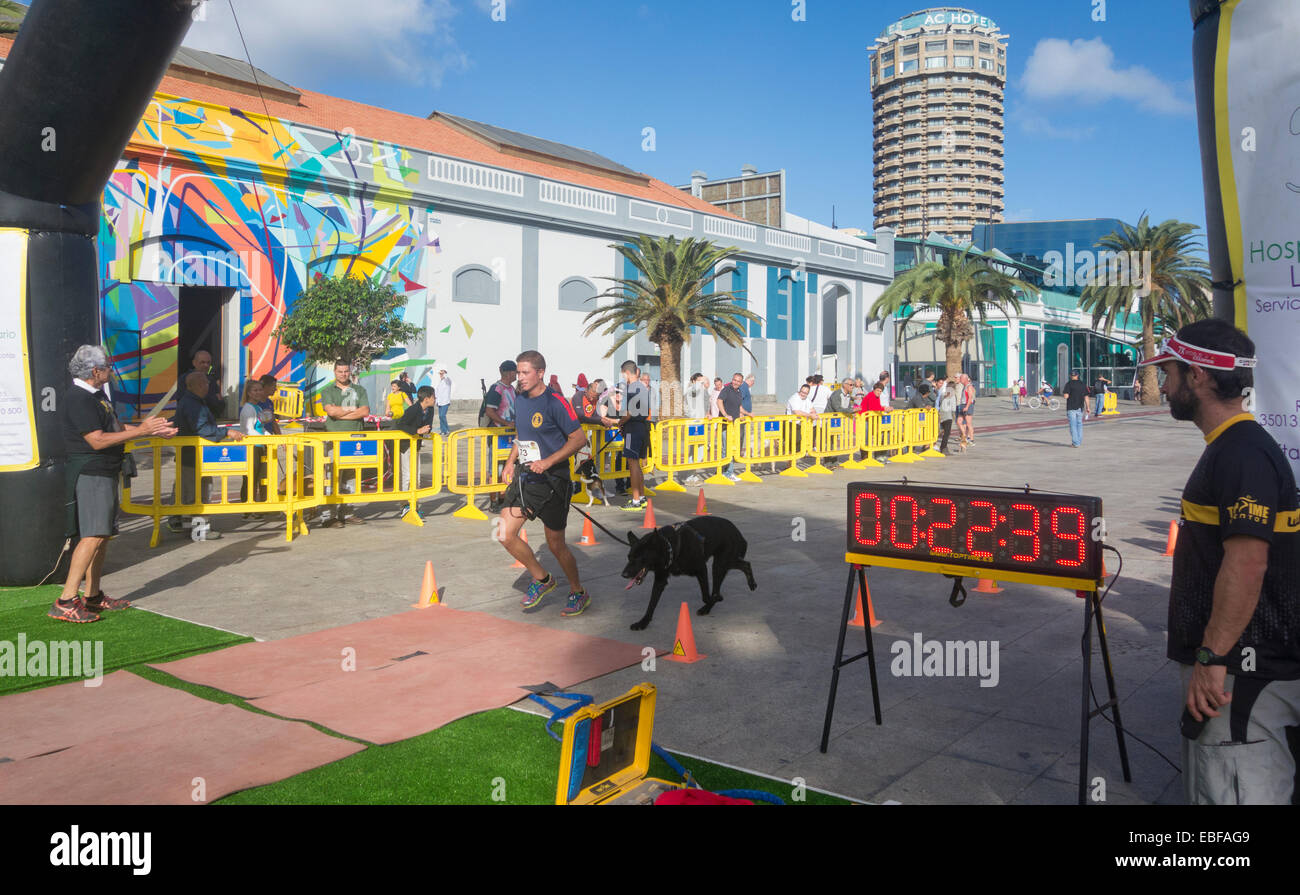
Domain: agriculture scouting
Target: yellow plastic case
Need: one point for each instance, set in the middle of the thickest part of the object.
(625, 727)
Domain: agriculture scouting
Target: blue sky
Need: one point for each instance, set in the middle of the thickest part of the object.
(1099, 114)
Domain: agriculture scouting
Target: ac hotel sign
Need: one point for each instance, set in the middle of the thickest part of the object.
(941, 17)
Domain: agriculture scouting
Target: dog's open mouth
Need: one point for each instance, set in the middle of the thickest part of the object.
(640, 576)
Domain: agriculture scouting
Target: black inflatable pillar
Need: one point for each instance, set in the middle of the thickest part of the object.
(77, 82)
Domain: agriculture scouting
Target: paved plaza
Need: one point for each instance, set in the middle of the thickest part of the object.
(757, 700)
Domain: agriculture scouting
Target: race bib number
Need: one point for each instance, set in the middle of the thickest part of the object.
(529, 452)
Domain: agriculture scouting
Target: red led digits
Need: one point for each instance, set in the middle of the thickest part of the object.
(949, 525)
(971, 532)
(875, 519)
(910, 523)
(1076, 535)
(1030, 532)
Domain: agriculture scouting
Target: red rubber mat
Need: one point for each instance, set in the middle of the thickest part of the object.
(472, 662)
(134, 742)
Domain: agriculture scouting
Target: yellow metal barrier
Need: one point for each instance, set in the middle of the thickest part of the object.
(287, 400)
(473, 459)
(927, 433)
(370, 467)
(1110, 404)
(883, 431)
(910, 436)
(249, 476)
(683, 445)
(832, 435)
(769, 439)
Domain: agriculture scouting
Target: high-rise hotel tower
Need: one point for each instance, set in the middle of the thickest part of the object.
(937, 79)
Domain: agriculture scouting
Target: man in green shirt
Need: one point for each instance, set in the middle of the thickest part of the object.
(346, 405)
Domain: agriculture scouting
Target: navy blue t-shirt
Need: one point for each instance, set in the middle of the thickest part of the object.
(547, 421)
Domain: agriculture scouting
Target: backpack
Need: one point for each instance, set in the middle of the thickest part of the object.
(483, 421)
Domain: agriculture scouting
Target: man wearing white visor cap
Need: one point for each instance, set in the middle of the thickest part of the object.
(1234, 598)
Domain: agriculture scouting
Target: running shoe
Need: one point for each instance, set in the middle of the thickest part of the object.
(576, 604)
(537, 590)
(103, 603)
(633, 505)
(72, 611)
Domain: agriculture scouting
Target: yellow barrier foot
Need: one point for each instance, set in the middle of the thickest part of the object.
(931, 452)
(793, 472)
(157, 525)
(412, 517)
(853, 464)
(902, 458)
(469, 511)
(818, 469)
(749, 476)
(719, 479)
(870, 463)
(670, 485)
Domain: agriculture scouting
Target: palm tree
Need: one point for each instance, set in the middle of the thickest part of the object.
(1177, 285)
(961, 287)
(667, 300)
(11, 16)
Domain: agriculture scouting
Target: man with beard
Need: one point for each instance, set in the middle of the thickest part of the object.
(1234, 601)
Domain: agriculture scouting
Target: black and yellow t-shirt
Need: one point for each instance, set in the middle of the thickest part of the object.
(1242, 485)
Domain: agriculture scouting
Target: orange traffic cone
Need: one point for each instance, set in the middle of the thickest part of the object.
(700, 508)
(684, 643)
(1173, 538)
(588, 538)
(856, 621)
(523, 533)
(649, 515)
(428, 590)
(987, 586)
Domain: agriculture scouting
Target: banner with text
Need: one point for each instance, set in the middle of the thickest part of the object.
(18, 449)
(1257, 134)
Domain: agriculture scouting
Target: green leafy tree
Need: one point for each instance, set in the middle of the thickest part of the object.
(346, 318)
(11, 16)
(960, 288)
(666, 300)
(1176, 283)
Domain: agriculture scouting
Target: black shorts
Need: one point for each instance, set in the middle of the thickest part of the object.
(541, 496)
(636, 439)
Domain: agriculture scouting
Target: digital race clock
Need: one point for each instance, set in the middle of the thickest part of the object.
(1026, 536)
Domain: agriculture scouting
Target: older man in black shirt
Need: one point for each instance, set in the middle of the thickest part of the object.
(93, 438)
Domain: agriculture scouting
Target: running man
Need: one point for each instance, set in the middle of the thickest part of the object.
(547, 434)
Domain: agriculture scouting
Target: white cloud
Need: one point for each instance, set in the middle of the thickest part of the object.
(1040, 126)
(405, 40)
(1085, 70)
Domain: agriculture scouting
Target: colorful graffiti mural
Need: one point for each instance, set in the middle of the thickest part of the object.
(215, 196)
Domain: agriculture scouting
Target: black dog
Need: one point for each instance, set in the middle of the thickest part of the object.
(685, 549)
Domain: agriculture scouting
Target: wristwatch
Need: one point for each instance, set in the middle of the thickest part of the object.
(1206, 656)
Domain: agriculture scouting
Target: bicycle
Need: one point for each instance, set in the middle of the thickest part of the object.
(1053, 403)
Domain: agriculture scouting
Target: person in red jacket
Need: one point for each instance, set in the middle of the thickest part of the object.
(871, 400)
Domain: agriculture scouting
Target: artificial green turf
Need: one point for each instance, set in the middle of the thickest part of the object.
(501, 756)
(130, 636)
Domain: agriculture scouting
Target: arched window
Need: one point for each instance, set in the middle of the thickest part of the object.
(475, 283)
(576, 294)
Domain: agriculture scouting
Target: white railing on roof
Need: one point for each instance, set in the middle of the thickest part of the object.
(873, 257)
(835, 250)
(577, 197)
(478, 177)
(730, 229)
(791, 241)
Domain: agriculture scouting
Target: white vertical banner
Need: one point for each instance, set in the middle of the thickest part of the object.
(18, 449)
(1257, 115)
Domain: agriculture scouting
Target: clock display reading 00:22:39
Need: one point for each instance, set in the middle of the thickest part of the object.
(1047, 534)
